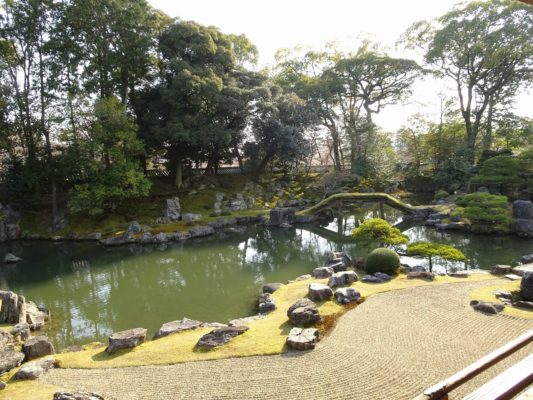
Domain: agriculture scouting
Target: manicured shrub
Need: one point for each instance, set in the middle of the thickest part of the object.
(483, 208)
(380, 230)
(382, 260)
(441, 194)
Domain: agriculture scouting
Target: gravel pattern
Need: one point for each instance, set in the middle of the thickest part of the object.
(393, 346)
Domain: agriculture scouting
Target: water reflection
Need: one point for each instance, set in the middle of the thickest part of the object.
(93, 291)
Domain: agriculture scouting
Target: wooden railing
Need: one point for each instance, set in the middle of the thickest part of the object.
(504, 386)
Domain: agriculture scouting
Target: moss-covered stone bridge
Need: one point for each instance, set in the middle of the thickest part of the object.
(347, 198)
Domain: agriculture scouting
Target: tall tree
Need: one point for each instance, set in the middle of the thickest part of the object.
(485, 47)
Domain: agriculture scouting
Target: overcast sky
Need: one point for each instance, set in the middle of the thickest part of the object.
(276, 24)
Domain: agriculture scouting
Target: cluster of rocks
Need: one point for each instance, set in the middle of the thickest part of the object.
(16, 310)
(223, 203)
(166, 237)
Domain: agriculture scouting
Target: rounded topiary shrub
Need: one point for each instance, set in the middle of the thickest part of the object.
(382, 260)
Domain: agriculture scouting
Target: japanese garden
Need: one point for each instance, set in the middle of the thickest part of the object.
(180, 220)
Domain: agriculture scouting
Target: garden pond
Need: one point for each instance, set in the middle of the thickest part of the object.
(93, 290)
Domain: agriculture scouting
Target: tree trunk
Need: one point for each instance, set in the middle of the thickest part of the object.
(487, 137)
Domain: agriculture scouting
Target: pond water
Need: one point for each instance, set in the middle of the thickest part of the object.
(93, 291)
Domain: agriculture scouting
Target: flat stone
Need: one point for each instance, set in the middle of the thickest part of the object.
(245, 320)
(77, 396)
(10, 359)
(36, 347)
(201, 231)
(221, 336)
(487, 307)
(428, 276)
(180, 325)
(126, 339)
(378, 277)
(522, 269)
(501, 294)
(500, 269)
(271, 287)
(513, 277)
(303, 277)
(11, 259)
(323, 272)
(302, 339)
(459, 274)
(266, 303)
(342, 278)
(524, 304)
(34, 369)
(347, 295)
(319, 292)
(303, 312)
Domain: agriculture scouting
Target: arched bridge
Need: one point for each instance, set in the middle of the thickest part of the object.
(347, 198)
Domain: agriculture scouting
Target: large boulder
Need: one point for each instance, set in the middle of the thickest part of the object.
(522, 209)
(319, 292)
(266, 303)
(347, 295)
(322, 272)
(35, 369)
(304, 312)
(342, 278)
(181, 325)
(238, 203)
(187, 217)
(341, 256)
(523, 228)
(10, 359)
(500, 269)
(21, 330)
(36, 347)
(77, 396)
(302, 339)
(126, 339)
(11, 259)
(13, 310)
(220, 336)
(526, 286)
(172, 209)
(279, 216)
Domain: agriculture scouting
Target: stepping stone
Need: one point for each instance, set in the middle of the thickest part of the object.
(319, 292)
(221, 336)
(126, 339)
(302, 339)
(77, 396)
(180, 325)
(512, 277)
(486, 307)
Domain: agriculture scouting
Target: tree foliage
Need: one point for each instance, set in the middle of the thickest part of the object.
(381, 231)
(435, 250)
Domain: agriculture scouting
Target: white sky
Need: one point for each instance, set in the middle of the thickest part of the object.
(276, 24)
